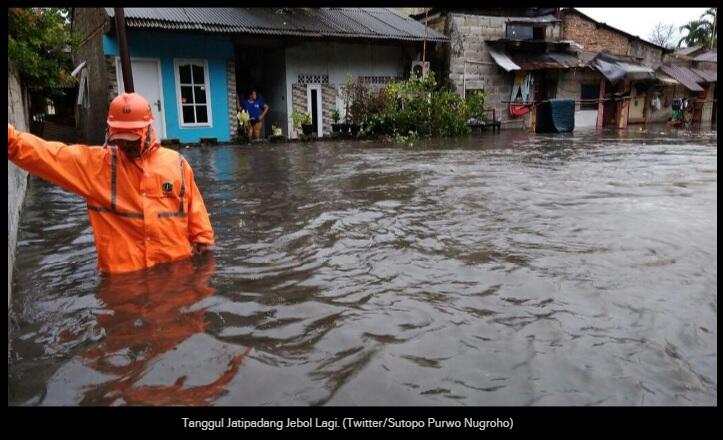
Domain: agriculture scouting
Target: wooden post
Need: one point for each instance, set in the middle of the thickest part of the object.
(533, 118)
(624, 108)
(600, 105)
(120, 28)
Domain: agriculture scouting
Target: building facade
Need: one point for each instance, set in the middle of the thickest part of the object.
(195, 64)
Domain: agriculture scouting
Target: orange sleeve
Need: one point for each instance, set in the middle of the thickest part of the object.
(199, 225)
(71, 167)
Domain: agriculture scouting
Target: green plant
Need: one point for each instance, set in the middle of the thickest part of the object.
(297, 118)
(300, 118)
(335, 116)
(475, 102)
(40, 44)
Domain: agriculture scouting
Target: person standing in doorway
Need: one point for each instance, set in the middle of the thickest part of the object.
(257, 110)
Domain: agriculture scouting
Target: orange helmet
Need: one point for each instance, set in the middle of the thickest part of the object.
(129, 111)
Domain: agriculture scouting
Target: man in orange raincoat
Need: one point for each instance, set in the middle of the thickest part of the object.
(143, 202)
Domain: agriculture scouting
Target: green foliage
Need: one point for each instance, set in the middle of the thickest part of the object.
(417, 107)
(476, 104)
(298, 118)
(702, 32)
(40, 44)
(335, 116)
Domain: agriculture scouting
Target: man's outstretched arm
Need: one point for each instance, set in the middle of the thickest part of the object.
(71, 167)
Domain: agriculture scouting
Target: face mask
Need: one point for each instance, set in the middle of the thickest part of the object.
(129, 148)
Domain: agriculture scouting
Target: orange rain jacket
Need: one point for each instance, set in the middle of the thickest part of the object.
(143, 211)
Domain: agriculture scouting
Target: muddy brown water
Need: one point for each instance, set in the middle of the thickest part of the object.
(510, 269)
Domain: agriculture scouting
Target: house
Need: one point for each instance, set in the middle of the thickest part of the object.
(696, 73)
(491, 49)
(192, 64)
(639, 87)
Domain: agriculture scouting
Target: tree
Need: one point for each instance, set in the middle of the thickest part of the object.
(713, 14)
(698, 33)
(702, 32)
(663, 35)
(40, 44)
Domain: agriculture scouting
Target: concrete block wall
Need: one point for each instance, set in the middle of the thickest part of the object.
(17, 178)
(467, 47)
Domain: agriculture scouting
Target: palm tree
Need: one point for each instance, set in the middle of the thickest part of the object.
(713, 13)
(699, 33)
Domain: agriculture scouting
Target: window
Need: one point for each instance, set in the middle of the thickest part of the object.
(193, 93)
(589, 91)
(521, 32)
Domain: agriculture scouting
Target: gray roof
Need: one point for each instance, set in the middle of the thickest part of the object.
(541, 19)
(688, 50)
(684, 75)
(711, 56)
(374, 23)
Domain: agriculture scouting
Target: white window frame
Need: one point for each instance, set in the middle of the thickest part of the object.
(202, 62)
(320, 103)
(119, 81)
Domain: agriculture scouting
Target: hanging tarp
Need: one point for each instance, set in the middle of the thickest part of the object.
(616, 68)
(555, 116)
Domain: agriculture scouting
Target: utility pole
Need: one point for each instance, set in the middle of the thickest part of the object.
(424, 50)
(120, 29)
(715, 29)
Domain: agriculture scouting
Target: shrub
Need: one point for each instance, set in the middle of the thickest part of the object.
(413, 108)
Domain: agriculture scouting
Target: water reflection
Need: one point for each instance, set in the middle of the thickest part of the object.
(507, 269)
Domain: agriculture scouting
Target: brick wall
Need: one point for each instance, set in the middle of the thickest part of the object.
(591, 36)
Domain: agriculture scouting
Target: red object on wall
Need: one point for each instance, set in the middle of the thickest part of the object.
(519, 109)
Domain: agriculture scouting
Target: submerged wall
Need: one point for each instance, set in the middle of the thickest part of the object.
(17, 178)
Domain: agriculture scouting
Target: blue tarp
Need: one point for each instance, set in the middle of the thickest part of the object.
(556, 116)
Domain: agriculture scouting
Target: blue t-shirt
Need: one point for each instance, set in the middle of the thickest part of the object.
(253, 108)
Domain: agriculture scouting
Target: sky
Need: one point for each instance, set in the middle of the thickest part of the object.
(640, 21)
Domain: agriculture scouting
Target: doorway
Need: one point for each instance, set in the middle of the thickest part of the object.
(147, 83)
(313, 106)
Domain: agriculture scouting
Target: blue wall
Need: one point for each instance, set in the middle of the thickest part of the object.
(166, 46)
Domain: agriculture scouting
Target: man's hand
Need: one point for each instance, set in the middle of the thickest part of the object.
(199, 248)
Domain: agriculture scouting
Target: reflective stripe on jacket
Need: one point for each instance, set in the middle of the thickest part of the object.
(143, 211)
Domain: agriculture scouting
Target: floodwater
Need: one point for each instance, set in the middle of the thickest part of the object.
(511, 269)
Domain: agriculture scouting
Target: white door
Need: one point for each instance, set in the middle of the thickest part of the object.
(147, 83)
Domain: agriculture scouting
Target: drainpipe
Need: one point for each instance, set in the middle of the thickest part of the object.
(120, 28)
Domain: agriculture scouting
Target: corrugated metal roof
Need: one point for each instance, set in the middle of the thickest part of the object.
(688, 50)
(375, 23)
(616, 67)
(707, 74)
(684, 76)
(711, 56)
(510, 60)
(660, 76)
(540, 19)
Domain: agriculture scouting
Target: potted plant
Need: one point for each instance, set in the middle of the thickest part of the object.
(335, 116)
(302, 121)
(307, 126)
